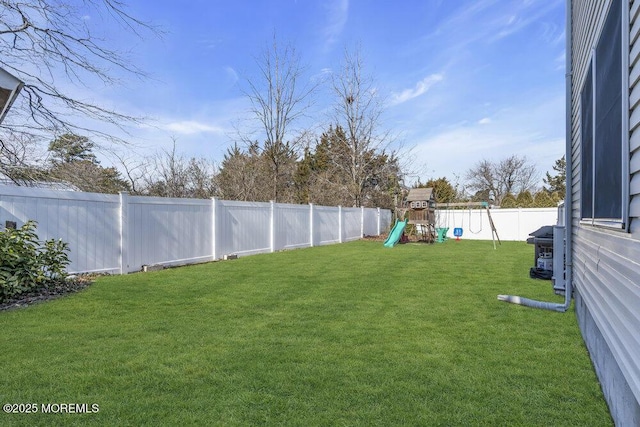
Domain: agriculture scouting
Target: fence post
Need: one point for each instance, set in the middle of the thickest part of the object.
(340, 224)
(272, 226)
(311, 225)
(124, 232)
(214, 235)
(519, 222)
(362, 222)
(379, 229)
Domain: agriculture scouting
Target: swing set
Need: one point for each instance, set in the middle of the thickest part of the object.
(443, 226)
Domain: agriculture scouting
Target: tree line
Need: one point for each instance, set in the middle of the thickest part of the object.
(319, 176)
(509, 183)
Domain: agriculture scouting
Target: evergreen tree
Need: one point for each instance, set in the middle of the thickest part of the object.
(524, 199)
(442, 188)
(543, 199)
(323, 176)
(509, 201)
(73, 162)
(241, 176)
(557, 183)
(71, 148)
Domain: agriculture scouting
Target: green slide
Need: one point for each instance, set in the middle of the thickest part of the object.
(396, 233)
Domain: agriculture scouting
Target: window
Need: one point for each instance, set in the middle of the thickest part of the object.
(604, 124)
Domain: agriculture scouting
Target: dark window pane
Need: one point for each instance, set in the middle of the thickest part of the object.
(607, 188)
(586, 147)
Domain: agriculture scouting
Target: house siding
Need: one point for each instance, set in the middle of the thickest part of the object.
(634, 118)
(606, 262)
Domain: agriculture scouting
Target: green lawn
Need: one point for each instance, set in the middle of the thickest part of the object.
(352, 334)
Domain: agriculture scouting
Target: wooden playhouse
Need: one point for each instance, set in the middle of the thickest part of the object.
(420, 211)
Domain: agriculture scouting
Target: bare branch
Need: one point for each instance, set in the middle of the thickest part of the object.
(279, 99)
(357, 110)
(44, 40)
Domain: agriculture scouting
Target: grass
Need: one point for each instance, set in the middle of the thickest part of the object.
(352, 334)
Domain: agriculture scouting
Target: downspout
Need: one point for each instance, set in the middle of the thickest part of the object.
(568, 198)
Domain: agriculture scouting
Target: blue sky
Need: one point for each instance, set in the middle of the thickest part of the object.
(463, 80)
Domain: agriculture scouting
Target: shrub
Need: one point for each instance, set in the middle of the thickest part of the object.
(508, 201)
(28, 264)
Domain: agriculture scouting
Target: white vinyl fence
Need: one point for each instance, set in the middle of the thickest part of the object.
(511, 224)
(121, 233)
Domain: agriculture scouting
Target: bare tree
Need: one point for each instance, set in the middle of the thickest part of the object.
(511, 175)
(48, 44)
(18, 154)
(279, 97)
(135, 168)
(357, 111)
(174, 175)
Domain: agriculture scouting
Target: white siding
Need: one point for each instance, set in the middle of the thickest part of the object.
(606, 263)
(634, 119)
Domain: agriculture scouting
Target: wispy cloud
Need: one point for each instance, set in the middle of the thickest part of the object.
(232, 75)
(523, 18)
(210, 43)
(491, 20)
(420, 89)
(190, 127)
(337, 15)
(527, 129)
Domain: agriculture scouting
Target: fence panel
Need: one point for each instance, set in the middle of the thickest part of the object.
(385, 221)
(89, 223)
(121, 233)
(242, 228)
(370, 222)
(351, 224)
(291, 224)
(511, 224)
(168, 231)
(326, 225)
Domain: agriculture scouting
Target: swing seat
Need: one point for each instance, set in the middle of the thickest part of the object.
(442, 234)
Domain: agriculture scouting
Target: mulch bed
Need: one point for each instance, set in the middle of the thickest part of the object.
(380, 238)
(57, 290)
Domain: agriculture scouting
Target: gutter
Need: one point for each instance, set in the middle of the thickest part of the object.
(568, 198)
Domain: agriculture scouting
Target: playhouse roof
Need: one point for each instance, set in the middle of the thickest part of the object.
(420, 194)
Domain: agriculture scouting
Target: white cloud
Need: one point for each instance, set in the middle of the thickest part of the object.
(526, 15)
(525, 130)
(210, 43)
(337, 14)
(232, 75)
(420, 88)
(321, 75)
(190, 127)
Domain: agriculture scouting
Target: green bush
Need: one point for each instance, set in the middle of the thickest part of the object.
(28, 264)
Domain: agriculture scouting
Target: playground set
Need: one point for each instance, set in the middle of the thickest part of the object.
(421, 219)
